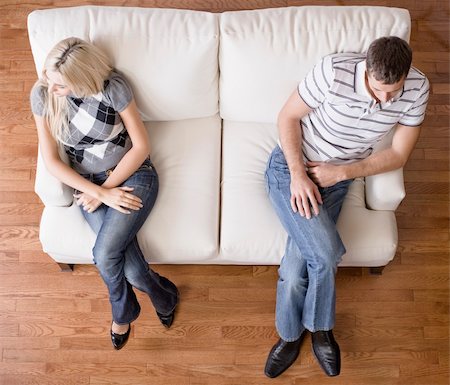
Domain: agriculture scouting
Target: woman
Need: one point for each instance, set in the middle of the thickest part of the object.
(83, 103)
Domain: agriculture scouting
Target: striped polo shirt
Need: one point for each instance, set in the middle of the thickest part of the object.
(346, 121)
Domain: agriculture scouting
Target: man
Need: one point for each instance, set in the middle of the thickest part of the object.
(327, 129)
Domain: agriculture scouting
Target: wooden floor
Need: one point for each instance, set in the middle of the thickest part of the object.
(393, 329)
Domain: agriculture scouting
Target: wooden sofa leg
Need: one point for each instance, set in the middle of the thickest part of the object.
(376, 270)
(66, 267)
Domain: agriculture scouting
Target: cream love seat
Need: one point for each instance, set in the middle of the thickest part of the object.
(209, 88)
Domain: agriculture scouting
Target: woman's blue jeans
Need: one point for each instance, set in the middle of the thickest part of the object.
(306, 287)
(117, 254)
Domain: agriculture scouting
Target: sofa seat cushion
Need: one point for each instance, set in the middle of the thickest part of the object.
(250, 230)
(183, 226)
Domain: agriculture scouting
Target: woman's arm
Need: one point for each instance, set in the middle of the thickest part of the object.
(118, 198)
(54, 164)
(138, 152)
(129, 163)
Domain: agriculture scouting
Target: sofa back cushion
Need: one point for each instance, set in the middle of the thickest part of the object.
(169, 56)
(265, 53)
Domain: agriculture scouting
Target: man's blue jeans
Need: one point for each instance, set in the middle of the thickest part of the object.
(306, 286)
(117, 254)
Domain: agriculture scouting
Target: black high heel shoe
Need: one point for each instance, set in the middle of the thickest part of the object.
(119, 340)
(167, 320)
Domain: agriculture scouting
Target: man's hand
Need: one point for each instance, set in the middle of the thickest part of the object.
(325, 174)
(304, 195)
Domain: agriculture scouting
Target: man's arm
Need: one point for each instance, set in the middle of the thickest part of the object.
(392, 158)
(304, 193)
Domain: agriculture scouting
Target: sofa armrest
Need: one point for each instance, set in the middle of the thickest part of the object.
(385, 191)
(49, 189)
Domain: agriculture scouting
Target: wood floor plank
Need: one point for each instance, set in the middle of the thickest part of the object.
(21, 368)
(93, 369)
(257, 380)
(54, 326)
(435, 258)
(143, 379)
(203, 356)
(35, 379)
(29, 343)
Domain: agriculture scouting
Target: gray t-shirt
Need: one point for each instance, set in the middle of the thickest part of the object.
(97, 138)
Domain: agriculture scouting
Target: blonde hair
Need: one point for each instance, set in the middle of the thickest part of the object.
(84, 69)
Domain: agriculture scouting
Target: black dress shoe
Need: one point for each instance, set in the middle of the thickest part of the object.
(119, 340)
(282, 356)
(327, 352)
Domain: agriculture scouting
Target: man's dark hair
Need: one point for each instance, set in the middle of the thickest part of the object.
(389, 59)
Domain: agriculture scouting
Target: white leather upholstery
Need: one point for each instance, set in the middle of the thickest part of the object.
(49, 189)
(169, 56)
(370, 237)
(65, 236)
(378, 197)
(250, 229)
(212, 205)
(183, 225)
(265, 53)
(263, 56)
